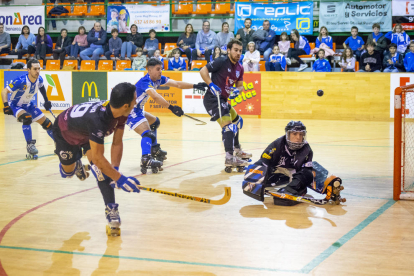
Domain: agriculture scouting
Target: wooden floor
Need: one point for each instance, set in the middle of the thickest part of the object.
(52, 226)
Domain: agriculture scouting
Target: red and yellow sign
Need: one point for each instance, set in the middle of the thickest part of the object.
(249, 101)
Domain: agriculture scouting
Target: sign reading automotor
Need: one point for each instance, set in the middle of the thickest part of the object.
(14, 18)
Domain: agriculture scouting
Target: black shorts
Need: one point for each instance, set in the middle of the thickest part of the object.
(211, 105)
(68, 154)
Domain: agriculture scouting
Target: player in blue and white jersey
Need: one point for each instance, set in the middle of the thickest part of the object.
(146, 124)
(22, 106)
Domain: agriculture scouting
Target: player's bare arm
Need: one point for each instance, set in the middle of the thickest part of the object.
(98, 158)
(4, 93)
(158, 98)
(179, 84)
(117, 148)
(205, 75)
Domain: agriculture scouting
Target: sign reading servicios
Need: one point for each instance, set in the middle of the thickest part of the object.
(89, 86)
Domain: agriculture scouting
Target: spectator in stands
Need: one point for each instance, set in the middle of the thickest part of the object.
(245, 34)
(157, 55)
(266, 46)
(355, 42)
(251, 58)
(216, 53)
(115, 44)
(27, 42)
(176, 63)
(79, 43)
(277, 61)
(323, 41)
(370, 61)
(409, 59)
(321, 64)
(151, 44)
(4, 41)
(133, 40)
(284, 44)
(301, 47)
(378, 39)
(140, 61)
(399, 37)
(205, 42)
(96, 39)
(62, 46)
(186, 42)
(393, 61)
(347, 60)
(44, 44)
(224, 37)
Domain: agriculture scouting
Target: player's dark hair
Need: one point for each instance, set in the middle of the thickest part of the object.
(25, 26)
(152, 31)
(63, 30)
(354, 27)
(393, 45)
(376, 25)
(294, 31)
(133, 25)
(153, 62)
(1, 24)
(248, 19)
(32, 61)
(344, 57)
(122, 93)
(321, 50)
(370, 44)
(114, 31)
(82, 28)
(232, 42)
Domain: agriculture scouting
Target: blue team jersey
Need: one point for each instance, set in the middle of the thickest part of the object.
(22, 90)
(354, 43)
(322, 65)
(327, 40)
(143, 85)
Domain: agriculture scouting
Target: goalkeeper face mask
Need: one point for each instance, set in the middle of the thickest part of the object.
(296, 139)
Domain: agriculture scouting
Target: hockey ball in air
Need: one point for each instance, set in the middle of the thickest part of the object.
(320, 93)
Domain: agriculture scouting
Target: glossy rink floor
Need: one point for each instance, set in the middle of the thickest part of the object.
(52, 226)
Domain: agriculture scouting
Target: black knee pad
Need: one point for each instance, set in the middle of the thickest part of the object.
(26, 118)
(150, 135)
(236, 120)
(305, 176)
(155, 125)
(47, 124)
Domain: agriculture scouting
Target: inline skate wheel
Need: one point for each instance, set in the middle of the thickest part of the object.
(228, 169)
(154, 170)
(336, 184)
(160, 169)
(240, 169)
(35, 157)
(144, 170)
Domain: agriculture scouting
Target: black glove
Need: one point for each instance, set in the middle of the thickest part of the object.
(200, 86)
(7, 110)
(48, 105)
(176, 110)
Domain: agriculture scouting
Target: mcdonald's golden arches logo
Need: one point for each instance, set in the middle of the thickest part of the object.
(89, 86)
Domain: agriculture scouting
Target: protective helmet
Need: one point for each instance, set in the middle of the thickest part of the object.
(122, 12)
(295, 126)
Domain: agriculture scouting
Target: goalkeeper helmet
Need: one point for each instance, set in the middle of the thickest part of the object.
(292, 127)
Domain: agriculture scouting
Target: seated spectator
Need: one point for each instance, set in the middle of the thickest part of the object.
(224, 37)
(4, 40)
(251, 58)
(186, 42)
(44, 44)
(176, 63)
(378, 39)
(284, 44)
(115, 44)
(96, 40)
(370, 61)
(157, 55)
(321, 64)
(347, 61)
(216, 53)
(27, 42)
(277, 61)
(301, 47)
(393, 61)
(79, 43)
(205, 42)
(151, 44)
(133, 40)
(245, 34)
(266, 45)
(140, 61)
(325, 42)
(62, 46)
(409, 59)
(399, 37)
(355, 42)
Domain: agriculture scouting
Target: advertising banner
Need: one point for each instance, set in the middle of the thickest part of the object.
(403, 13)
(125, 76)
(89, 86)
(170, 94)
(341, 16)
(58, 87)
(193, 98)
(146, 17)
(9, 76)
(398, 80)
(283, 17)
(14, 18)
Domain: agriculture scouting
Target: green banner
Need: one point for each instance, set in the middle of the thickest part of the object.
(89, 86)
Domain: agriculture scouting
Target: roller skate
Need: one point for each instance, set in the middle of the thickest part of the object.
(235, 162)
(81, 171)
(31, 150)
(114, 221)
(158, 153)
(243, 155)
(333, 191)
(148, 162)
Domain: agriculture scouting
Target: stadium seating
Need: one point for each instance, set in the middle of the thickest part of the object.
(169, 47)
(71, 63)
(203, 8)
(88, 65)
(106, 65)
(79, 10)
(49, 55)
(41, 63)
(11, 48)
(97, 10)
(356, 67)
(222, 8)
(66, 6)
(184, 8)
(19, 60)
(166, 63)
(198, 64)
(262, 65)
(122, 64)
(52, 64)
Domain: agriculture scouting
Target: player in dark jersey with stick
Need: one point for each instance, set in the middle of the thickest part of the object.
(225, 83)
(84, 126)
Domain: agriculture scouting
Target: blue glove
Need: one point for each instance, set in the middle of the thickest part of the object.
(215, 89)
(128, 184)
(234, 93)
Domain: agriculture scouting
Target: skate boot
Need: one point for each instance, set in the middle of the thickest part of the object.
(243, 155)
(114, 221)
(235, 162)
(333, 191)
(148, 162)
(158, 153)
(81, 171)
(31, 150)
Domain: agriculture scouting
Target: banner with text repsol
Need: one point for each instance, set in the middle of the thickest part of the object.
(89, 86)
(14, 18)
(403, 13)
(341, 16)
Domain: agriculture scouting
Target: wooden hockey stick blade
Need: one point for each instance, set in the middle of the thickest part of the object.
(303, 199)
(202, 122)
(224, 200)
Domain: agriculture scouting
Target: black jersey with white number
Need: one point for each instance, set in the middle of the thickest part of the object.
(278, 154)
(89, 121)
(225, 74)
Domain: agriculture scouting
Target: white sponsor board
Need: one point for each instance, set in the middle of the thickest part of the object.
(402, 7)
(124, 76)
(398, 80)
(58, 87)
(14, 18)
(193, 99)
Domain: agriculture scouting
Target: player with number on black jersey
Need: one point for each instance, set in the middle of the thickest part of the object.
(84, 126)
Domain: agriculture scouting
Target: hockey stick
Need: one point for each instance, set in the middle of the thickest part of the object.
(50, 110)
(303, 199)
(222, 201)
(202, 122)
(218, 101)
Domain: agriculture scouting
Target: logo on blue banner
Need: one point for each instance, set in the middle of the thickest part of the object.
(282, 17)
